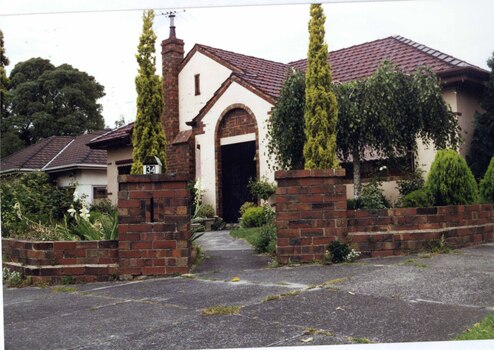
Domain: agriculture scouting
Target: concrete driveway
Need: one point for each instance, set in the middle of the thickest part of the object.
(399, 299)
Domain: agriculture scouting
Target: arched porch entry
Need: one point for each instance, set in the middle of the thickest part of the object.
(237, 159)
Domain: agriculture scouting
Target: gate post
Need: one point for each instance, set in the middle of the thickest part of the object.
(154, 225)
(311, 211)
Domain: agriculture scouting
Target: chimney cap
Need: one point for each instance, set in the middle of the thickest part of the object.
(171, 16)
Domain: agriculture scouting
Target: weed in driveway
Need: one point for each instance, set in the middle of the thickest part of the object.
(221, 310)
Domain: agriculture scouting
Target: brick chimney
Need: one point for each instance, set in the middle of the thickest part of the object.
(172, 54)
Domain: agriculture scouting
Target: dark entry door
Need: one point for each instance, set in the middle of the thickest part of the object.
(238, 165)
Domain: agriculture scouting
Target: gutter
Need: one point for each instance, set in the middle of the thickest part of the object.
(74, 166)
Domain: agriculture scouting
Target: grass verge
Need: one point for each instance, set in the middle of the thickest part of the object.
(482, 330)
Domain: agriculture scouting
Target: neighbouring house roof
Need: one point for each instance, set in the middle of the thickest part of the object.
(56, 153)
(352, 63)
(118, 137)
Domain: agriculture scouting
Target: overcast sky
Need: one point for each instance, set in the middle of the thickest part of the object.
(104, 43)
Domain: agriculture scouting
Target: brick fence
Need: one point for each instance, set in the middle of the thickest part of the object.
(407, 230)
(311, 211)
(153, 238)
(154, 225)
(84, 261)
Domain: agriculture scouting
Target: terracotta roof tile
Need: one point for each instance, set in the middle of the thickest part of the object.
(268, 76)
(361, 61)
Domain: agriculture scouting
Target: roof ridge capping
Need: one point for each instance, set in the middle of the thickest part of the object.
(434, 53)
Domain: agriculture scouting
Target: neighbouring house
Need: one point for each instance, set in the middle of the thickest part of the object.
(68, 161)
(217, 103)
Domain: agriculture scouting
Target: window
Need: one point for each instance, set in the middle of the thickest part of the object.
(197, 84)
(124, 170)
(99, 194)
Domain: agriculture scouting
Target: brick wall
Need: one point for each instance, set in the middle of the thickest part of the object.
(85, 261)
(154, 225)
(405, 230)
(310, 213)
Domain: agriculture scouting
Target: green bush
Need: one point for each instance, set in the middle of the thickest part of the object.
(338, 251)
(415, 181)
(246, 206)
(253, 217)
(450, 180)
(205, 211)
(487, 184)
(417, 199)
(372, 196)
(39, 199)
(261, 189)
(265, 242)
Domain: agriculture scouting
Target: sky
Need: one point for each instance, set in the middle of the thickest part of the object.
(100, 37)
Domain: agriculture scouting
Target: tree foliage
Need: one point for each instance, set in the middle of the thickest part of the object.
(450, 180)
(486, 185)
(482, 146)
(385, 113)
(45, 100)
(321, 110)
(286, 126)
(148, 138)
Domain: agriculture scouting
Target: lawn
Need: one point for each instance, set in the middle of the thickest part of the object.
(482, 330)
(251, 235)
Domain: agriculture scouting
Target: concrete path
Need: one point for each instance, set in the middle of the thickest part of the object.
(402, 299)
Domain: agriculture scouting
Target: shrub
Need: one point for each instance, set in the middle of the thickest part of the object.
(487, 184)
(372, 196)
(338, 251)
(246, 206)
(205, 211)
(253, 217)
(450, 180)
(415, 181)
(41, 201)
(417, 199)
(261, 189)
(266, 241)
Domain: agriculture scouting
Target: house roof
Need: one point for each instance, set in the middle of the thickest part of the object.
(118, 137)
(352, 63)
(267, 76)
(56, 153)
(360, 61)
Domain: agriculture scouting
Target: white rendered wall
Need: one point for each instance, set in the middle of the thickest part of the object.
(85, 180)
(235, 94)
(114, 155)
(212, 75)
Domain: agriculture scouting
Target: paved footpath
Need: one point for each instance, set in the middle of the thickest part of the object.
(399, 299)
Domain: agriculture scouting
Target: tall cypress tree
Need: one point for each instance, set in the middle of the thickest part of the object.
(4, 81)
(321, 110)
(148, 138)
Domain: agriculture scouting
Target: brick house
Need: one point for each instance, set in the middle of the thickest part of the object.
(217, 103)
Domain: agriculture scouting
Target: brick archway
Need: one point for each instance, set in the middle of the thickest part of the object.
(236, 124)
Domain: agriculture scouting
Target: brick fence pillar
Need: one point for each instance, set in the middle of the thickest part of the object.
(154, 225)
(311, 211)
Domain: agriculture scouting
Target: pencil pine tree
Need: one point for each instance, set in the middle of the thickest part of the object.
(148, 137)
(321, 110)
